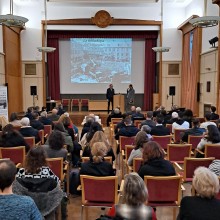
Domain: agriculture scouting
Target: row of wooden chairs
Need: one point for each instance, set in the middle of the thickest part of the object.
(72, 104)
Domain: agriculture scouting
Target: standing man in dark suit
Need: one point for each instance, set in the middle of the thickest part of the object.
(109, 96)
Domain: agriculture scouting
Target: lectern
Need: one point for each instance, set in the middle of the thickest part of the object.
(119, 100)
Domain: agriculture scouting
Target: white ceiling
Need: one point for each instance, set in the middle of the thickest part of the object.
(172, 3)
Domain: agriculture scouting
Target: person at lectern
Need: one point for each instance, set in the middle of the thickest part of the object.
(130, 96)
(109, 96)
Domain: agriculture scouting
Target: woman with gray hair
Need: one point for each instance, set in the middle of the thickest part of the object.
(135, 196)
(203, 205)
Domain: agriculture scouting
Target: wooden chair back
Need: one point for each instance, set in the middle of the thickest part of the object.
(163, 190)
(137, 162)
(15, 154)
(56, 165)
(128, 149)
(163, 140)
(30, 141)
(125, 141)
(212, 150)
(194, 140)
(47, 130)
(41, 135)
(177, 135)
(177, 152)
(169, 126)
(190, 164)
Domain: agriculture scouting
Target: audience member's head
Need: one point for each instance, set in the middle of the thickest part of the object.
(7, 174)
(159, 119)
(149, 115)
(56, 140)
(138, 109)
(180, 115)
(95, 126)
(116, 111)
(44, 108)
(90, 120)
(205, 182)
(66, 122)
(8, 129)
(13, 116)
(98, 152)
(213, 134)
(99, 136)
(133, 108)
(25, 121)
(127, 121)
(54, 111)
(195, 122)
(30, 109)
(188, 113)
(35, 159)
(213, 109)
(35, 115)
(175, 115)
(59, 127)
(140, 139)
(135, 191)
(43, 114)
(146, 129)
(152, 150)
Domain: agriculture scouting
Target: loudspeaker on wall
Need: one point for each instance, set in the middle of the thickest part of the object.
(33, 90)
(172, 90)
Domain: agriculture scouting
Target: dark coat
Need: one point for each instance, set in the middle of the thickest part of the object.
(30, 132)
(128, 131)
(45, 121)
(193, 131)
(36, 124)
(109, 94)
(160, 130)
(157, 167)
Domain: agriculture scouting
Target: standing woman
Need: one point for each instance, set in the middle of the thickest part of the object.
(130, 96)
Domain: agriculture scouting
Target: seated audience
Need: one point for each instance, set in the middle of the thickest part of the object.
(160, 129)
(99, 136)
(97, 166)
(147, 130)
(166, 117)
(37, 110)
(212, 137)
(137, 152)
(207, 121)
(12, 138)
(60, 110)
(67, 138)
(115, 114)
(135, 197)
(188, 116)
(37, 180)
(96, 118)
(129, 130)
(137, 115)
(158, 111)
(206, 185)
(149, 120)
(214, 116)
(35, 123)
(196, 130)
(53, 116)
(215, 167)
(44, 120)
(56, 146)
(29, 112)
(154, 163)
(121, 124)
(27, 131)
(14, 120)
(133, 110)
(86, 126)
(14, 206)
(87, 137)
(179, 123)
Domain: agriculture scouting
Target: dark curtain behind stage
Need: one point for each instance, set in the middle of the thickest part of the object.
(150, 58)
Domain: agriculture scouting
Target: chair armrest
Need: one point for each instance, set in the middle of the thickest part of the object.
(18, 165)
(46, 136)
(123, 153)
(178, 166)
(81, 153)
(164, 151)
(130, 169)
(182, 188)
(38, 143)
(199, 151)
(191, 153)
(117, 142)
(121, 186)
(79, 188)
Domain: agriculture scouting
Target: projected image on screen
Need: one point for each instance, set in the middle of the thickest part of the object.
(101, 60)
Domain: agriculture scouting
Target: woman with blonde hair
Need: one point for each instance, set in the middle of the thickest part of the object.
(203, 205)
(135, 196)
(97, 166)
(100, 136)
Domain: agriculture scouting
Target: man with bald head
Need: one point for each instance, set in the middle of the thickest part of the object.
(54, 116)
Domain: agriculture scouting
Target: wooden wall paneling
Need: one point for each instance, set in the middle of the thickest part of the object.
(12, 50)
(2, 69)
